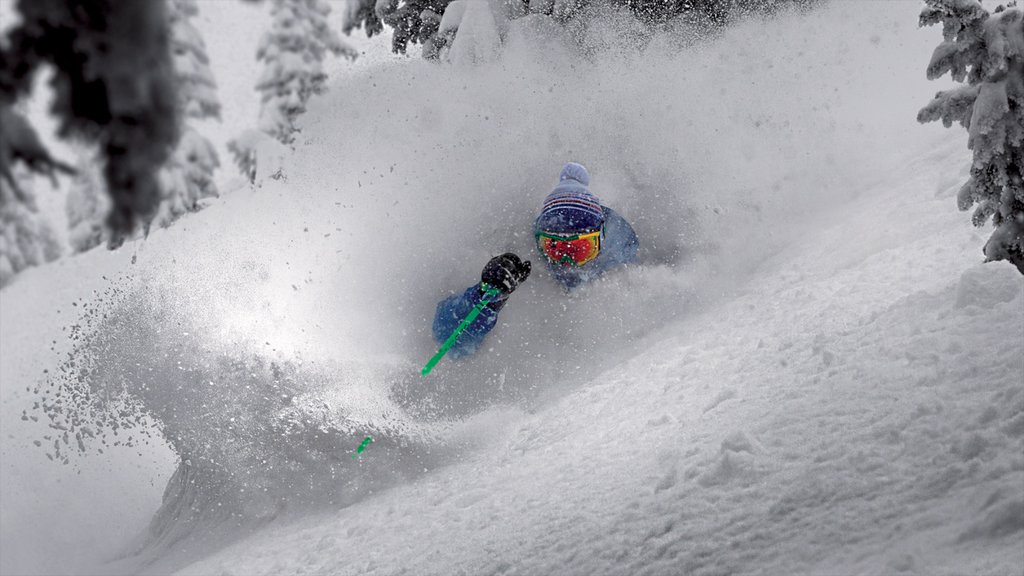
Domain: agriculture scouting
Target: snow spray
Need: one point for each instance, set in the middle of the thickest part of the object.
(489, 295)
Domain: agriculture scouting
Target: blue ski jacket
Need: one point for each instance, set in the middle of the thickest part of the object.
(619, 246)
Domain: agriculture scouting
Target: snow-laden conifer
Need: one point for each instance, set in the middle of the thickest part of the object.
(292, 52)
(187, 178)
(86, 203)
(477, 39)
(197, 89)
(20, 143)
(113, 85)
(244, 150)
(986, 51)
(26, 239)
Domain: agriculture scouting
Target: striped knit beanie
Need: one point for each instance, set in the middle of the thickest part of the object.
(571, 207)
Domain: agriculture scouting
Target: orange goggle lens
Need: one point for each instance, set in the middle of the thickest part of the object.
(578, 249)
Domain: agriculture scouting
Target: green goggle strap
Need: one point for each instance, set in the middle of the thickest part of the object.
(490, 293)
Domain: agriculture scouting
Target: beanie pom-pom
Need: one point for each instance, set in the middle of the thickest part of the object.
(574, 171)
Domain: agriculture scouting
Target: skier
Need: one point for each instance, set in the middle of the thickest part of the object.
(580, 240)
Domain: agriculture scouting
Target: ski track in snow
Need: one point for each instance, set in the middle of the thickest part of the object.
(811, 373)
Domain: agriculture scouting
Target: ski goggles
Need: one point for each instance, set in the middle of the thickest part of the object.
(575, 249)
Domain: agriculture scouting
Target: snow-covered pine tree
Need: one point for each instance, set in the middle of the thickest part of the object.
(187, 177)
(477, 39)
(293, 51)
(987, 51)
(415, 21)
(25, 237)
(244, 150)
(86, 204)
(19, 141)
(113, 85)
(197, 90)
(362, 14)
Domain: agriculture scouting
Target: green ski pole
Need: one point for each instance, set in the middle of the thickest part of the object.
(489, 294)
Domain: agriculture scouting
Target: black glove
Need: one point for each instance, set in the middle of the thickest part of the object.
(506, 273)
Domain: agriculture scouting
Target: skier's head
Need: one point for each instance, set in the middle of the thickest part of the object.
(571, 208)
(570, 212)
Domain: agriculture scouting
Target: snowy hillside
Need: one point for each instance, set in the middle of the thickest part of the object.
(812, 372)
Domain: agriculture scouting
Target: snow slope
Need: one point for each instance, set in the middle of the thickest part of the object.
(812, 373)
(859, 414)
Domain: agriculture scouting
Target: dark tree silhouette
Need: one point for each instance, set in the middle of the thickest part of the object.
(114, 86)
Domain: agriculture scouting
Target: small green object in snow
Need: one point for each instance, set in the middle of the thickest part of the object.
(362, 446)
(490, 293)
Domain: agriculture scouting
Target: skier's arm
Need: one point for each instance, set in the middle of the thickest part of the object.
(453, 309)
(632, 245)
(503, 272)
(626, 243)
